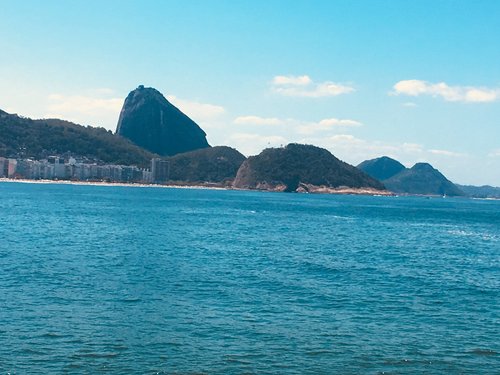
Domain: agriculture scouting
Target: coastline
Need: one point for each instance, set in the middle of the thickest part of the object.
(207, 186)
(103, 183)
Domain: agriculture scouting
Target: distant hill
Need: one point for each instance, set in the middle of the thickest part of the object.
(422, 178)
(26, 138)
(153, 123)
(214, 164)
(381, 168)
(484, 191)
(294, 166)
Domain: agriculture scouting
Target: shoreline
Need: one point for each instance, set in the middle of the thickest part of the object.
(319, 190)
(211, 186)
(103, 183)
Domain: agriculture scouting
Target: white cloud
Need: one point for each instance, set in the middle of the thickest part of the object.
(495, 153)
(83, 104)
(197, 111)
(329, 122)
(409, 104)
(256, 120)
(481, 95)
(102, 91)
(86, 110)
(468, 94)
(303, 86)
(252, 144)
(298, 126)
(326, 125)
(446, 153)
(355, 150)
(292, 80)
(98, 108)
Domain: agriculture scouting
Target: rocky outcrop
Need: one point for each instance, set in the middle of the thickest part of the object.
(153, 123)
(299, 168)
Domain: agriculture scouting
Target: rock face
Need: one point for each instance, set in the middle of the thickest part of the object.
(381, 168)
(214, 164)
(422, 178)
(298, 168)
(153, 123)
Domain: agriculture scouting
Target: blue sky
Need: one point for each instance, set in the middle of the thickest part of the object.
(418, 81)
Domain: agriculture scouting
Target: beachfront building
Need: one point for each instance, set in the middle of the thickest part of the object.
(4, 167)
(56, 168)
(160, 170)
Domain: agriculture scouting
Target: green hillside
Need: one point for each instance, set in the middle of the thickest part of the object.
(26, 138)
(296, 164)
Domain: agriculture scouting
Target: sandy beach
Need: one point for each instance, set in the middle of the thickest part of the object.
(313, 189)
(103, 183)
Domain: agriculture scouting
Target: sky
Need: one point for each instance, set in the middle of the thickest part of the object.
(418, 81)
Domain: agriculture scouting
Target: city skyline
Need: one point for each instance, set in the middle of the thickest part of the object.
(413, 81)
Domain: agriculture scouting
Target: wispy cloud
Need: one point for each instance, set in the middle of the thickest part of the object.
(251, 143)
(292, 80)
(468, 94)
(198, 111)
(326, 125)
(82, 104)
(298, 126)
(87, 110)
(495, 153)
(304, 86)
(100, 107)
(256, 120)
(446, 153)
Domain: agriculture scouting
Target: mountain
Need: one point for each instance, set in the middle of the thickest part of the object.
(422, 178)
(22, 137)
(299, 167)
(214, 164)
(484, 191)
(381, 168)
(153, 123)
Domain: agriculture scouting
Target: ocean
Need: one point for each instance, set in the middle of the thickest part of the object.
(100, 279)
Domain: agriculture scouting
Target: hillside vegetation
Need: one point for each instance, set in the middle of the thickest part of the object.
(26, 138)
(422, 178)
(298, 164)
(381, 168)
(213, 164)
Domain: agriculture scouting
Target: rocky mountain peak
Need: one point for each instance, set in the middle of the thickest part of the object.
(150, 121)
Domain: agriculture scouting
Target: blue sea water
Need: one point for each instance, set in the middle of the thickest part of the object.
(97, 279)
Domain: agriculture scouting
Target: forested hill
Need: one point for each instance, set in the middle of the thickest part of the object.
(22, 137)
(296, 165)
(212, 164)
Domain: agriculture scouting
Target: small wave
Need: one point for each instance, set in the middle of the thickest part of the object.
(131, 300)
(319, 352)
(464, 233)
(96, 355)
(483, 352)
(52, 335)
